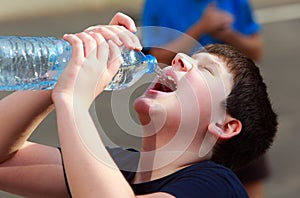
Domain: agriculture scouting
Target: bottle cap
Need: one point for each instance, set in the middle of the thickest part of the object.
(152, 63)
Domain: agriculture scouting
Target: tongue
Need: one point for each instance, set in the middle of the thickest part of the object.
(161, 87)
(165, 88)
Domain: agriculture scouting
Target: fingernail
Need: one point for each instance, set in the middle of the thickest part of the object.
(133, 28)
(132, 45)
(139, 47)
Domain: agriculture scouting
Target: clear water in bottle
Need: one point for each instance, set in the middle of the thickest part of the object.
(135, 65)
(31, 62)
(36, 63)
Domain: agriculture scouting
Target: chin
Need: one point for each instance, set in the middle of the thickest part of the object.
(149, 106)
(142, 105)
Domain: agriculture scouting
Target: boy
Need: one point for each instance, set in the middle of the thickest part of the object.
(205, 116)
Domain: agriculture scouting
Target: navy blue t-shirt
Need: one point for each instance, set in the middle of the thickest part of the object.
(204, 179)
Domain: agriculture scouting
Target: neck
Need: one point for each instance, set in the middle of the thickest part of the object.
(162, 154)
(168, 145)
(158, 164)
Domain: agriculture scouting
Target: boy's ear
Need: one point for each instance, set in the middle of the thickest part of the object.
(230, 128)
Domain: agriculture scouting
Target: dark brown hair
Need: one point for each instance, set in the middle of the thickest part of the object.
(248, 102)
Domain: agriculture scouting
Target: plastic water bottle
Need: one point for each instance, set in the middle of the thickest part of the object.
(35, 63)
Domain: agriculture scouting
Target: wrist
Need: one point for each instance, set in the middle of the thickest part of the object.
(62, 98)
(203, 26)
(68, 101)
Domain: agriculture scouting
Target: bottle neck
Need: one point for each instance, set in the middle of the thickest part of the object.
(152, 64)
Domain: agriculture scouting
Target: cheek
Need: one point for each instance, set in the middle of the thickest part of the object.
(217, 95)
(195, 98)
(196, 88)
(204, 93)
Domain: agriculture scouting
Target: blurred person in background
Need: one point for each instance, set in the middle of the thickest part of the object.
(207, 22)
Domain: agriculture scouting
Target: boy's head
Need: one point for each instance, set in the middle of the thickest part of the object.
(219, 91)
(248, 102)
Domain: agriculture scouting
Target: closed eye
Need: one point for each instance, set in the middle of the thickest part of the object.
(207, 69)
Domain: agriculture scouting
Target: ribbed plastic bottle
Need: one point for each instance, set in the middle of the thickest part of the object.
(35, 63)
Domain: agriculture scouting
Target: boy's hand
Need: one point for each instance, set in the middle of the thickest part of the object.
(120, 30)
(93, 64)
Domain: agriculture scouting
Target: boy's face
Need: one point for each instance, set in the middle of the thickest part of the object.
(201, 83)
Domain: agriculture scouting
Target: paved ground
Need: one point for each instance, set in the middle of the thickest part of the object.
(280, 68)
(268, 3)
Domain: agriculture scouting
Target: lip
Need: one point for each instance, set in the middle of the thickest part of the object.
(151, 93)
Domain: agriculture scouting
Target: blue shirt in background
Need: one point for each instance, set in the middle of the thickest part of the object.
(181, 14)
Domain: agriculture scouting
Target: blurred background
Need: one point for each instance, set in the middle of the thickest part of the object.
(280, 68)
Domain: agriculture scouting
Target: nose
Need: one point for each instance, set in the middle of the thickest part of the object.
(182, 62)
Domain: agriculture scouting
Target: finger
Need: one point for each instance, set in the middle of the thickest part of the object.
(119, 34)
(129, 39)
(89, 43)
(107, 33)
(102, 46)
(77, 46)
(115, 58)
(123, 20)
(135, 42)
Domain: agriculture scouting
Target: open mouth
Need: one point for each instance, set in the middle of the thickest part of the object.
(165, 84)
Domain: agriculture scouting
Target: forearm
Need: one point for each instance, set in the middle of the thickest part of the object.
(184, 44)
(252, 45)
(21, 113)
(90, 169)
